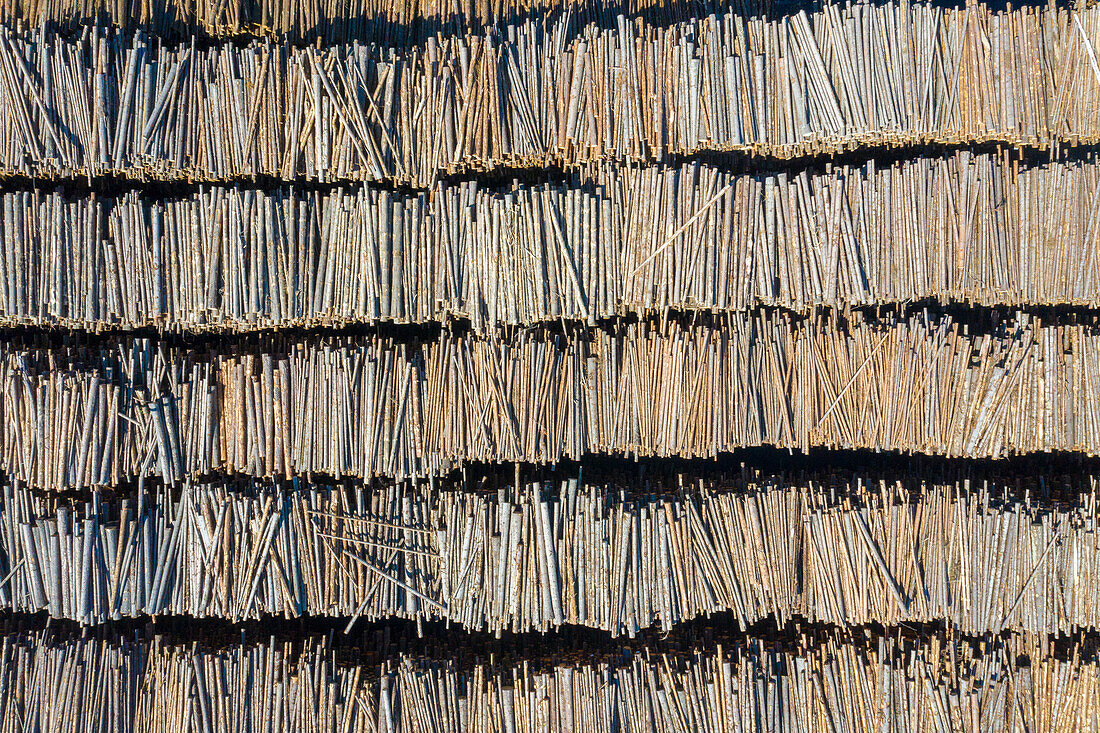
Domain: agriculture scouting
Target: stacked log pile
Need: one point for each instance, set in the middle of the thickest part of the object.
(821, 682)
(364, 406)
(535, 95)
(983, 559)
(327, 21)
(657, 366)
(979, 229)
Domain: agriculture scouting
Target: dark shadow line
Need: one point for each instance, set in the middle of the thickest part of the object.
(379, 642)
(996, 320)
(505, 178)
(173, 29)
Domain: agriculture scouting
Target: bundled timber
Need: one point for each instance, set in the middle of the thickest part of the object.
(837, 79)
(978, 229)
(981, 559)
(827, 682)
(363, 406)
(328, 20)
(303, 303)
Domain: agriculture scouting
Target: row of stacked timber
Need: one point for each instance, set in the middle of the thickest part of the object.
(111, 104)
(979, 559)
(824, 682)
(969, 228)
(332, 21)
(105, 413)
(381, 367)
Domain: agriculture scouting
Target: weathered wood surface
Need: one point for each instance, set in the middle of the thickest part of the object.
(365, 406)
(827, 682)
(978, 229)
(534, 96)
(980, 559)
(334, 21)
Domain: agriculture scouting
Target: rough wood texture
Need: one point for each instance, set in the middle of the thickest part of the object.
(367, 406)
(958, 228)
(842, 78)
(828, 682)
(816, 547)
(332, 21)
(547, 233)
